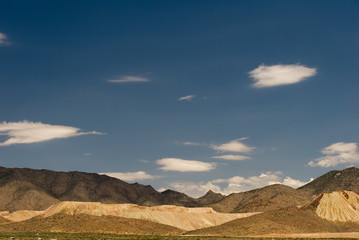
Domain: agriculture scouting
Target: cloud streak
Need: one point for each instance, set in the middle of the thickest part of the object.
(186, 98)
(232, 157)
(276, 75)
(131, 176)
(34, 132)
(181, 165)
(233, 146)
(337, 153)
(235, 184)
(3, 40)
(194, 144)
(129, 79)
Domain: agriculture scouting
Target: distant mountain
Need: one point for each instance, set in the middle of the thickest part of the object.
(347, 179)
(30, 189)
(210, 197)
(269, 198)
(279, 196)
(171, 197)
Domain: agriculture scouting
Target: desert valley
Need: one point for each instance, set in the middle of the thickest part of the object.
(78, 202)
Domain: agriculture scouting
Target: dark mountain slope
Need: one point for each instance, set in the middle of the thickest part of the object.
(261, 200)
(210, 198)
(38, 189)
(170, 197)
(347, 179)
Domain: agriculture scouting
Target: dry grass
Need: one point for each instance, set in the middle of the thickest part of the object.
(86, 223)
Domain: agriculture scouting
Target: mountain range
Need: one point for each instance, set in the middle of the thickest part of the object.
(326, 204)
(30, 189)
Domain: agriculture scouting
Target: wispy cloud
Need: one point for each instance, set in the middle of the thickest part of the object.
(233, 146)
(3, 40)
(131, 176)
(337, 153)
(235, 184)
(186, 98)
(129, 79)
(232, 157)
(181, 165)
(194, 144)
(33, 132)
(276, 75)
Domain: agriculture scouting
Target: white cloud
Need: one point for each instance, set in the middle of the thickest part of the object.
(235, 184)
(181, 165)
(87, 154)
(233, 146)
(129, 79)
(294, 183)
(187, 98)
(33, 132)
(3, 39)
(131, 176)
(337, 153)
(276, 75)
(232, 157)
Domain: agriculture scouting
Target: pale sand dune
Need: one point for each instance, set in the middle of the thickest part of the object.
(180, 217)
(339, 206)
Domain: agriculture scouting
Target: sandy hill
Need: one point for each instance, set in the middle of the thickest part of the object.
(179, 217)
(283, 221)
(261, 200)
(347, 179)
(342, 206)
(29, 189)
(87, 223)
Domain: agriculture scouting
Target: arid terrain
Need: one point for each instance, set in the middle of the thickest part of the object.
(324, 207)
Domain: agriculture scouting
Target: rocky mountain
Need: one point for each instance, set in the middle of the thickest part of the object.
(171, 197)
(210, 197)
(261, 200)
(347, 179)
(30, 189)
(279, 196)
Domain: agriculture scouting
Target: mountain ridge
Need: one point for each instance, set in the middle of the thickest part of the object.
(32, 189)
(46, 187)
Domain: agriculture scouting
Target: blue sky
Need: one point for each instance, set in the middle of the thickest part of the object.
(187, 95)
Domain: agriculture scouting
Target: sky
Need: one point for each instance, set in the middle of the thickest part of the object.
(185, 95)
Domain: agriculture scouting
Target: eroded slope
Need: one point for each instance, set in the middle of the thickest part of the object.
(339, 206)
